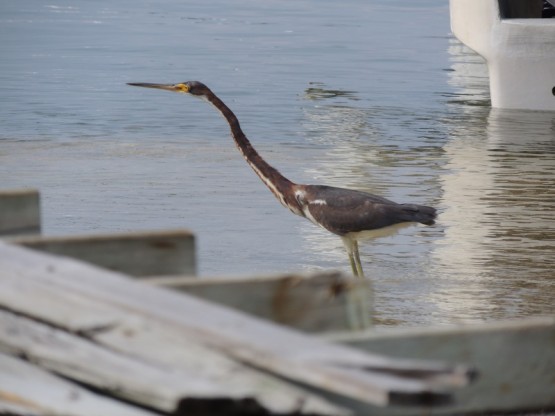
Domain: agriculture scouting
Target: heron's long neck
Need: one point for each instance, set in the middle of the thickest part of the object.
(280, 186)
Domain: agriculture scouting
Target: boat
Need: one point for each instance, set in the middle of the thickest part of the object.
(517, 40)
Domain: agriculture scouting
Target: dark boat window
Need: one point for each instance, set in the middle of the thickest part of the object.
(521, 9)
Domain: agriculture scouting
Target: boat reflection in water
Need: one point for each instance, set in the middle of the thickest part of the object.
(499, 198)
(499, 222)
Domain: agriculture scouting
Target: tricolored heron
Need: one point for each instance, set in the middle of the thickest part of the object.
(350, 214)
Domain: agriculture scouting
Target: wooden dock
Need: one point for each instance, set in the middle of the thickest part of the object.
(119, 325)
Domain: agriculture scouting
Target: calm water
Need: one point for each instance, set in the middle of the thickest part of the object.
(372, 95)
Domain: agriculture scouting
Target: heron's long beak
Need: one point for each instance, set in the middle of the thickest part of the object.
(167, 87)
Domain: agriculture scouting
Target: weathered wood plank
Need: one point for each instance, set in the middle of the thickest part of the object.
(516, 361)
(137, 253)
(322, 366)
(19, 212)
(27, 390)
(309, 302)
(164, 386)
(183, 365)
(143, 382)
(163, 344)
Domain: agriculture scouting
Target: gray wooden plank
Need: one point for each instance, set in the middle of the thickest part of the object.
(73, 311)
(314, 302)
(27, 390)
(162, 380)
(516, 361)
(331, 368)
(148, 383)
(163, 344)
(19, 212)
(128, 333)
(134, 253)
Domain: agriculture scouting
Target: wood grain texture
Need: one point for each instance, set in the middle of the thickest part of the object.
(324, 367)
(27, 390)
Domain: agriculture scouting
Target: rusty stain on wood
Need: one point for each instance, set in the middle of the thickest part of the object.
(18, 400)
(163, 245)
(284, 310)
(314, 302)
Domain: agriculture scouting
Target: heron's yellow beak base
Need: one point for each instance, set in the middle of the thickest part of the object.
(182, 87)
(168, 87)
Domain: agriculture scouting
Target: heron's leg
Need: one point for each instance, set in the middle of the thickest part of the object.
(353, 263)
(365, 292)
(350, 247)
(359, 305)
(358, 264)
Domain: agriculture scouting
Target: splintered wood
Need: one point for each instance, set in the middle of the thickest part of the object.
(176, 354)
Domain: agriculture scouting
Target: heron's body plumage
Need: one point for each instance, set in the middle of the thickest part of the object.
(343, 211)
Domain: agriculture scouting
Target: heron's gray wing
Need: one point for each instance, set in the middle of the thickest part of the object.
(342, 211)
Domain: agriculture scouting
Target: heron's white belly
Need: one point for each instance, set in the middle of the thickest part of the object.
(381, 232)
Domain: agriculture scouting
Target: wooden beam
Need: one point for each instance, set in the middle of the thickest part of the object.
(27, 390)
(333, 370)
(516, 361)
(137, 254)
(19, 212)
(323, 301)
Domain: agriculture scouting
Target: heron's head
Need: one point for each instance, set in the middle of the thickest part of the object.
(190, 87)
